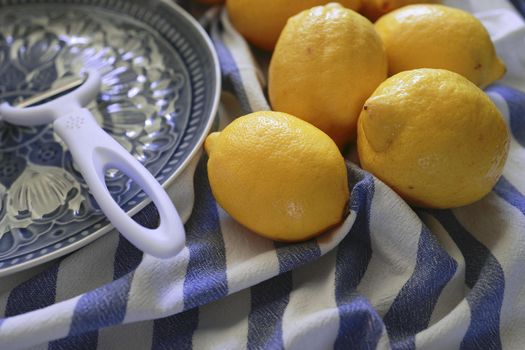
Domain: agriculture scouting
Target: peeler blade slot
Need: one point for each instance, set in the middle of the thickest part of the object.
(62, 88)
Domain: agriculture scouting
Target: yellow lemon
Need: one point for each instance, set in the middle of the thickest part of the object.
(261, 21)
(278, 175)
(326, 64)
(434, 137)
(373, 9)
(436, 36)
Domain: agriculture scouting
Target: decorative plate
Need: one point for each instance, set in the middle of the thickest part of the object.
(160, 90)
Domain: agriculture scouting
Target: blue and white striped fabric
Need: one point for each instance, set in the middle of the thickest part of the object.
(390, 276)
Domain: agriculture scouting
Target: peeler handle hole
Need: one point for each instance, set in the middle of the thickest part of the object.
(127, 194)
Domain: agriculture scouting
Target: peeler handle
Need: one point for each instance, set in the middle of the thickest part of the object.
(94, 152)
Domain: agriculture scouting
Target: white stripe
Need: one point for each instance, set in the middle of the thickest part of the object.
(3, 303)
(36, 327)
(507, 31)
(136, 336)
(229, 109)
(499, 226)
(384, 341)
(462, 4)
(448, 332)
(83, 271)
(157, 288)
(224, 324)
(250, 258)
(251, 75)
(478, 5)
(394, 239)
(88, 268)
(44, 346)
(447, 324)
(311, 318)
(515, 166)
(181, 191)
(331, 239)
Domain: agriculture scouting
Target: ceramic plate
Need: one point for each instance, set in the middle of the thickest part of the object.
(159, 94)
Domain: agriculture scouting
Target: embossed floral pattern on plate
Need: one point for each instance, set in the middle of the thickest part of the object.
(143, 104)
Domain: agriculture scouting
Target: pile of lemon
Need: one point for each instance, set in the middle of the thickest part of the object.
(406, 90)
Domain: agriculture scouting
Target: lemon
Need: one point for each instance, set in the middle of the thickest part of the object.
(278, 175)
(261, 21)
(373, 9)
(327, 62)
(436, 36)
(433, 137)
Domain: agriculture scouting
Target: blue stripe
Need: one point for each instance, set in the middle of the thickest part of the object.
(268, 302)
(102, 307)
(270, 298)
(175, 332)
(484, 276)
(105, 306)
(410, 312)
(360, 327)
(520, 6)
(127, 258)
(292, 256)
(36, 293)
(516, 102)
(230, 71)
(510, 194)
(205, 279)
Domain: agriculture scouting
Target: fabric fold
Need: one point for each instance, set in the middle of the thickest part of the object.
(390, 276)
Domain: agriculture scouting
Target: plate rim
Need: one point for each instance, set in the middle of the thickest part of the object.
(169, 181)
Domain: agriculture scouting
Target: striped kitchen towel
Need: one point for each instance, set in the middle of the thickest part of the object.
(388, 277)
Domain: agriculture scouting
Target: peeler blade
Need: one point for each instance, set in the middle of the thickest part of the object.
(61, 87)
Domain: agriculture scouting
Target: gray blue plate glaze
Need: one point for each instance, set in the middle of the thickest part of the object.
(159, 93)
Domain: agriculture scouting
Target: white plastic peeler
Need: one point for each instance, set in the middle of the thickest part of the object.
(94, 152)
